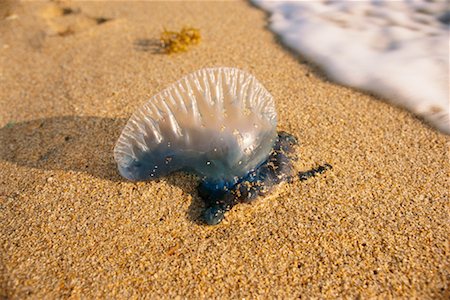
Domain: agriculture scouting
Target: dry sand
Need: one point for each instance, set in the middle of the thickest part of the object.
(377, 224)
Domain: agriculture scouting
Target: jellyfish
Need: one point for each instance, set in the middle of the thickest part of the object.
(217, 123)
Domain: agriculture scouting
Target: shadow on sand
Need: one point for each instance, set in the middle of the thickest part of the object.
(148, 45)
(81, 144)
(69, 143)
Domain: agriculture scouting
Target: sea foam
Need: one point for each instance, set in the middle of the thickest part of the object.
(398, 50)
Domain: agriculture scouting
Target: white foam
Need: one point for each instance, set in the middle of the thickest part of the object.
(398, 50)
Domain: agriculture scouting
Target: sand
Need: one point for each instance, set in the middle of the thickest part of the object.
(376, 225)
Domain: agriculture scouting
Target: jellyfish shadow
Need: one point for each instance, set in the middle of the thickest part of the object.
(68, 143)
(80, 144)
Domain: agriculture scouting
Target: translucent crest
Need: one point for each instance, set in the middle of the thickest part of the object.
(219, 123)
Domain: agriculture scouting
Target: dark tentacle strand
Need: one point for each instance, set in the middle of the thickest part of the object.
(313, 172)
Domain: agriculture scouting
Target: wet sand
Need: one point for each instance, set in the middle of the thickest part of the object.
(71, 74)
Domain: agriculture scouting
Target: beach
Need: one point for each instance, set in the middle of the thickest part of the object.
(71, 75)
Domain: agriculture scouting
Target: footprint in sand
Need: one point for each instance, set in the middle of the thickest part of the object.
(64, 19)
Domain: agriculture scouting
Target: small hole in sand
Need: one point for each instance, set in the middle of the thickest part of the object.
(69, 10)
(101, 20)
(66, 32)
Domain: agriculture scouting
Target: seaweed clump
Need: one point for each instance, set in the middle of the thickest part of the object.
(175, 42)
